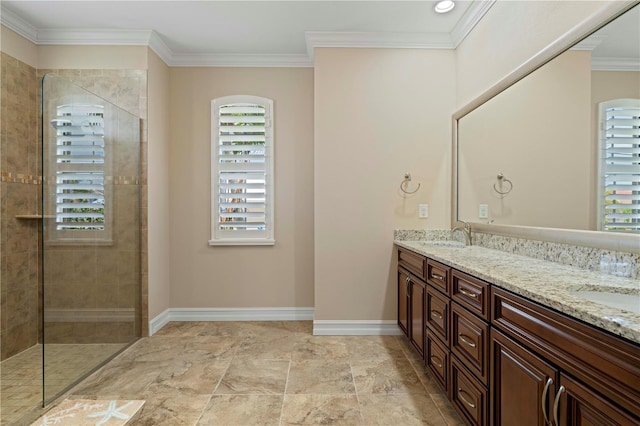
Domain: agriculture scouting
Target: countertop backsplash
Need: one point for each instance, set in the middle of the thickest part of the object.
(617, 263)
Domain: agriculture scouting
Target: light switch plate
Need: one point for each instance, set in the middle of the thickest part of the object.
(483, 211)
(423, 211)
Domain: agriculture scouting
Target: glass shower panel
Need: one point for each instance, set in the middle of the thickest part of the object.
(90, 232)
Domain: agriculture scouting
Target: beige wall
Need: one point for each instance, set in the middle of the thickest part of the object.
(158, 226)
(223, 276)
(509, 34)
(18, 47)
(378, 114)
(92, 57)
(538, 134)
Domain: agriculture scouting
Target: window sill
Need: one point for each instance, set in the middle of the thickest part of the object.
(242, 242)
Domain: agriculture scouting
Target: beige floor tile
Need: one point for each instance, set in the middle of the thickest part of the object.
(123, 380)
(320, 377)
(342, 410)
(402, 410)
(446, 409)
(268, 346)
(386, 376)
(374, 348)
(246, 410)
(321, 347)
(166, 406)
(254, 376)
(197, 377)
(200, 348)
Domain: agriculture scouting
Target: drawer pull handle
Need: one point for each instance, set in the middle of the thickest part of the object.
(555, 405)
(465, 400)
(437, 277)
(468, 294)
(464, 340)
(407, 281)
(437, 361)
(544, 400)
(436, 314)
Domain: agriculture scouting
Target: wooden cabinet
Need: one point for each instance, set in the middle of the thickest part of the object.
(502, 359)
(437, 314)
(403, 301)
(577, 405)
(470, 341)
(411, 295)
(596, 376)
(468, 395)
(522, 384)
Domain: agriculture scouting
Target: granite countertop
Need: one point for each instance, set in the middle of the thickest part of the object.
(545, 282)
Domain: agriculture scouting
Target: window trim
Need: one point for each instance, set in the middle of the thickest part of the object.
(219, 237)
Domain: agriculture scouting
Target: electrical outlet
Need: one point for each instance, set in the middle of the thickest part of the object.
(483, 211)
(423, 211)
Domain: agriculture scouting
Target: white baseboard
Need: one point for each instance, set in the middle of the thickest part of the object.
(355, 328)
(229, 314)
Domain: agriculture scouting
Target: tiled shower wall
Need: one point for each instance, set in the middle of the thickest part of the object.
(19, 194)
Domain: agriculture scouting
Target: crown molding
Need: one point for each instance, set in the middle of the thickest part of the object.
(469, 20)
(615, 64)
(86, 36)
(376, 40)
(240, 60)
(15, 23)
(90, 37)
(589, 43)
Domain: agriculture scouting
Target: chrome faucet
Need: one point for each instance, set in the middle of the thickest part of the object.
(466, 229)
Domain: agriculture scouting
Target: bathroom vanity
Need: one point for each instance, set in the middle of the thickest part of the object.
(511, 341)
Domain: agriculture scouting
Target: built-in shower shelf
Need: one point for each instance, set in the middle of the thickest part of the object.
(33, 216)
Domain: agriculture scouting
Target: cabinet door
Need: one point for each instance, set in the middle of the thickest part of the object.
(522, 384)
(417, 328)
(580, 406)
(403, 301)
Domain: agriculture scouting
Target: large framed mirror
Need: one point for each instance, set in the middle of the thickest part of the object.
(532, 158)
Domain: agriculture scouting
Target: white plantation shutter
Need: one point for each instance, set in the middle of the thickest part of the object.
(242, 171)
(620, 165)
(79, 172)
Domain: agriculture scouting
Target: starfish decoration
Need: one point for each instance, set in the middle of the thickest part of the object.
(111, 412)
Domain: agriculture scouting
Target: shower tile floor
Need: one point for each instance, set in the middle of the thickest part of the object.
(270, 373)
(21, 375)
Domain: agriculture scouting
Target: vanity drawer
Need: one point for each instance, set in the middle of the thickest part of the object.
(469, 397)
(471, 293)
(470, 341)
(437, 360)
(437, 314)
(412, 262)
(438, 275)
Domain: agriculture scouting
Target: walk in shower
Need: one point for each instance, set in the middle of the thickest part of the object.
(82, 273)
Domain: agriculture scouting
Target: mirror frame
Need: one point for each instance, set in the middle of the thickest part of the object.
(611, 241)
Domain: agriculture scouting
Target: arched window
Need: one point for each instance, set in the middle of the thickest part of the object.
(242, 171)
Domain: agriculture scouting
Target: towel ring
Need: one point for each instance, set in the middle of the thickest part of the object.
(405, 182)
(502, 180)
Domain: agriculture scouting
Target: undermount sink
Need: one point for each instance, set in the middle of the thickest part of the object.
(627, 302)
(444, 243)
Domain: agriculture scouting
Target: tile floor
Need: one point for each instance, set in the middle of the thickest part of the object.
(21, 375)
(270, 373)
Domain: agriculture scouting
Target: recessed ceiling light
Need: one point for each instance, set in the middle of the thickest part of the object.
(444, 6)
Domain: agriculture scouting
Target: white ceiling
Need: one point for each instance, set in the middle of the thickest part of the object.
(211, 32)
